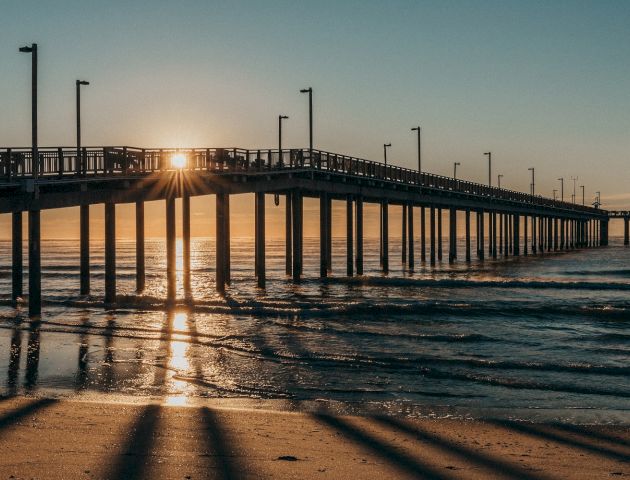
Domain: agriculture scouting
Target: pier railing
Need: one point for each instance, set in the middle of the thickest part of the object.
(67, 163)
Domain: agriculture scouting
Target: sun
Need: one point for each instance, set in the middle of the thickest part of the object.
(178, 160)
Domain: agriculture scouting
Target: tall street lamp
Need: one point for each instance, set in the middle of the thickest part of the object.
(309, 90)
(489, 155)
(561, 188)
(533, 183)
(385, 146)
(574, 184)
(419, 150)
(499, 177)
(455, 170)
(582, 187)
(280, 118)
(35, 157)
(555, 194)
(81, 167)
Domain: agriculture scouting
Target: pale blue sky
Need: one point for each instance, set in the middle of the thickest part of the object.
(541, 84)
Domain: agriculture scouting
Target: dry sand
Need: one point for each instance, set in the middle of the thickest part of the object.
(50, 439)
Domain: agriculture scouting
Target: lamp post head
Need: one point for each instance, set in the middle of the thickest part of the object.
(28, 49)
(307, 90)
(82, 82)
(387, 144)
(282, 117)
(487, 153)
(415, 129)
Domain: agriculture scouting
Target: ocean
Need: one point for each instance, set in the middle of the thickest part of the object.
(542, 337)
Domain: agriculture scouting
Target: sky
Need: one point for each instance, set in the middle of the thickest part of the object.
(540, 84)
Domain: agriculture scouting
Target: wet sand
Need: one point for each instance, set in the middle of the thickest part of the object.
(62, 439)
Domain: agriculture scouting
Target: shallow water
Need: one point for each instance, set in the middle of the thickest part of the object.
(542, 337)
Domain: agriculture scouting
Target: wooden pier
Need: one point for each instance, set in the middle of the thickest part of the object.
(512, 222)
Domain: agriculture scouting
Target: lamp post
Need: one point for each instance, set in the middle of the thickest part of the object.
(561, 188)
(533, 178)
(489, 155)
(280, 118)
(455, 170)
(35, 157)
(499, 177)
(419, 151)
(582, 187)
(309, 90)
(555, 194)
(80, 160)
(385, 146)
(574, 184)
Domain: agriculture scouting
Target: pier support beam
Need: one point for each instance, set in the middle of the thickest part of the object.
(493, 226)
(452, 235)
(549, 234)
(603, 232)
(524, 234)
(110, 254)
(626, 231)
(501, 227)
(404, 235)
(467, 235)
(17, 263)
(439, 233)
(288, 243)
(84, 247)
(186, 242)
(516, 235)
(410, 239)
(510, 219)
(171, 274)
(555, 234)
(140, 263)
(385, 234)
(34, 264)
(562, 234)
(220, 242)
(423, 236)
(259, 220)
(481, 235)
(226, 248)
(297, 209)
(359, 210)
(432, 234)
(534, 237)
(349, 237)
(324, 213)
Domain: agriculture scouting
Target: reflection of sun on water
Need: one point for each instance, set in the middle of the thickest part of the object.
(178, 362)
(178, 160)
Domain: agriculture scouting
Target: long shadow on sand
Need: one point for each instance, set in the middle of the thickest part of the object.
(382, 449)
(218, 447)
(15, 416)
(591, 433)
(553, 434)
(497, 465)
(135, 456)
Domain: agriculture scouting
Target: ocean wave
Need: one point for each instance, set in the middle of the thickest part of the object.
(457, 283)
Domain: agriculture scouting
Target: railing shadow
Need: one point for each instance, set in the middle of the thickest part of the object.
(495, 464)
(588, 432)
(550, 434)
(382, 449)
